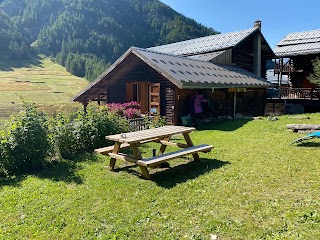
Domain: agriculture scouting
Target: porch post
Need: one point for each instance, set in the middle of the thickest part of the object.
(85, 104)
(280, 76)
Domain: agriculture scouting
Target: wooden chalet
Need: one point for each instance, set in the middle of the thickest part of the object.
(294, 56)
(227, 68)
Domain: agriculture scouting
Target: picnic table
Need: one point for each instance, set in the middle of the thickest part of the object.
(160, 135)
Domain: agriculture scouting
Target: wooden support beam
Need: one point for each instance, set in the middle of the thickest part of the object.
(122, 156)
(174, 144)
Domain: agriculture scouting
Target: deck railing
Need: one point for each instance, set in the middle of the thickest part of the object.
(297, 93)
(300, 93)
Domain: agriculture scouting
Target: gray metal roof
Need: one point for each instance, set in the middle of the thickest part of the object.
(207, 56)
(205, 44)
(299, 43)
(184, 72)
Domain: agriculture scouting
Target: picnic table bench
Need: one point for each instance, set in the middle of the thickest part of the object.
(160, 135)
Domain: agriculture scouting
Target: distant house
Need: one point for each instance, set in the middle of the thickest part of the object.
(227, 68)
(295, 54)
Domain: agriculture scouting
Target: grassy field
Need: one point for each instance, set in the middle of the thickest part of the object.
(253, 185)
(38, 80)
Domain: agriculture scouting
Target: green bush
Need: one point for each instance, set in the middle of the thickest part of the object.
(30, 137)
(26, 143)
(78, 133)
(4, 157)
(155, 121)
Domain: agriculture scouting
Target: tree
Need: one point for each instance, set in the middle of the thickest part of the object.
(315, 76)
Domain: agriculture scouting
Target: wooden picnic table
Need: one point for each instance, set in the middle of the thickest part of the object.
(161, 135)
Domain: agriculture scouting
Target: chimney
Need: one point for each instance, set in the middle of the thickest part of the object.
(257, 49)
(257, 24)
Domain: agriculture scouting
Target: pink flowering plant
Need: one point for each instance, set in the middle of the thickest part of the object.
(132, 104)
(129, 110)
(131, 113)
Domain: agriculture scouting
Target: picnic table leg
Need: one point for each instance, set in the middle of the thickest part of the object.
(116, 151)
(163, 147)
(137, 155)
(190, 143)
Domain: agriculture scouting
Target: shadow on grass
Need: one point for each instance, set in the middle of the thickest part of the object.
(309, 144)
(63, 171)
(8, 63)
(223, 125)
(170, 177)
(66, 171)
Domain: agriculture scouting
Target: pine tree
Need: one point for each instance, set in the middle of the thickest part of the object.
(315, 76)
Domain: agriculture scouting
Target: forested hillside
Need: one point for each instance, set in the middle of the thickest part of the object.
(86, 36)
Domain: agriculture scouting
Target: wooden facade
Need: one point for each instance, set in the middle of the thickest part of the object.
(136, 76)
(242, 55)
(175, 102)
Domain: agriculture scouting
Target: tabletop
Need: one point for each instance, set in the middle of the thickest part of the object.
(143, 135)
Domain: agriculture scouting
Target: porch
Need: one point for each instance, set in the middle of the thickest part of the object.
(292, 101)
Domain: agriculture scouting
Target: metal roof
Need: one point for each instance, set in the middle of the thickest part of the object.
(299, 43)
(205, 44)
(207, 56)
(185, 72)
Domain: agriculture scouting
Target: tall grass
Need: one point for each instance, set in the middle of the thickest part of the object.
(39, 80)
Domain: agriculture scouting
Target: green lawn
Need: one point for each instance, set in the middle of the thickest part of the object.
(39, 80)
(253, 185)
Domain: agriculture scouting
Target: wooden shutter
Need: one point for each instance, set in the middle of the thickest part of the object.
(154, 98)
(143, 96)
(128, 92)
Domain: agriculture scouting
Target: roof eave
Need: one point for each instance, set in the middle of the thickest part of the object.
(194, 85)
(78, 98)
(157, 68)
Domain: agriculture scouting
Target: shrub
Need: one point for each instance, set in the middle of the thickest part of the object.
(77, 134)
(4, 157)
(129, 110)
(131, 113)
(26, 144)
(106, 123)
(155, 121)
(131, 104)
(115, 108)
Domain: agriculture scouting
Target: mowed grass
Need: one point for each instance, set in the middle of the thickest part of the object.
(39, 80)
(253, 185)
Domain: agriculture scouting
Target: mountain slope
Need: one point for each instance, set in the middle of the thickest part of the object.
(86, 35)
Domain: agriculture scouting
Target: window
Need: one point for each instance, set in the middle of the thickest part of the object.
(135, 92)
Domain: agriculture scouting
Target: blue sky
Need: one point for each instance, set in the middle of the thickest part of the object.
(278, 17)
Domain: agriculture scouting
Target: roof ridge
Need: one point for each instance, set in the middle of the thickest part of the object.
(249, 30)
(167, 54)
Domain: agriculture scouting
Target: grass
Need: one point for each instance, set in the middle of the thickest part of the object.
(38, 80)
(253, 185)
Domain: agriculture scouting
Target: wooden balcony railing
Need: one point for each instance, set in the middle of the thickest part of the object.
(297, 93)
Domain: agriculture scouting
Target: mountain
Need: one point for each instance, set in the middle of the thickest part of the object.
(85, 36)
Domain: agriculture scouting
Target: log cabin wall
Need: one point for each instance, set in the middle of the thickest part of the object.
(243, 56)
(135, 70)
(251, 103)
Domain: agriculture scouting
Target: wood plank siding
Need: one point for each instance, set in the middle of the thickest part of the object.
(135, 70)
(243, 56)
(224, 58)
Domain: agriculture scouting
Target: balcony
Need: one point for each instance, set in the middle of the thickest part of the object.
(295, 93)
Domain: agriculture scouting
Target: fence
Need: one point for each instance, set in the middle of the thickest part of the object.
(138, 124)
(295, 93)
